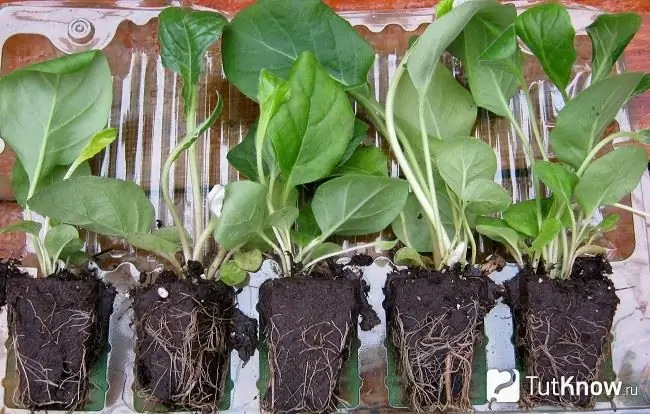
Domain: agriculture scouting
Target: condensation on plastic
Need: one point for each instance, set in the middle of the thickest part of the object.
(147, 111)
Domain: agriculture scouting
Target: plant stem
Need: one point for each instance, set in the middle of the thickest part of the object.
(470, 236)
(632, 210)
(170, 205)
(195, 177)
(203, 238)
(338, 253)
(171, 259)
(416, 186)
(602, 144)
(216, 263)
(533, 121)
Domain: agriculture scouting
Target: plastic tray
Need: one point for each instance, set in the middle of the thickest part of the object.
(147, 110)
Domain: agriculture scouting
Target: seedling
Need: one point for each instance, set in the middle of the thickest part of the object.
(306, 134)
(50, 113)
(556, 230)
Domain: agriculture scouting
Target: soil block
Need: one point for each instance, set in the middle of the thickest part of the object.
(309, 324)
(185, 330)
(563, 329)
(434, 322)
(58, 329)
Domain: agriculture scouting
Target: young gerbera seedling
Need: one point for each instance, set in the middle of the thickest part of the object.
(50, 113)
(185, 35)
(558, 229)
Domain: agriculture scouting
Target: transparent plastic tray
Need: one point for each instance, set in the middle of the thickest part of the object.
(147, 111)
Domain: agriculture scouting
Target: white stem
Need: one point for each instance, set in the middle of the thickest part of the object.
(339, 253)
(632, 210)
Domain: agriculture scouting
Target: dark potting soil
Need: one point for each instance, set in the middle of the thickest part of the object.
(8, 269)
(434, 320)
(309, 323)
(185, 330)
(59, 327)
(562, 328)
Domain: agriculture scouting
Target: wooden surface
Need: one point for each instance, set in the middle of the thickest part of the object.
(637, 57)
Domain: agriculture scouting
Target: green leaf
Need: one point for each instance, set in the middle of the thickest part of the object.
(185, 35)
(165, 240)
(306, 227)
(547, 31)
(273, 33)
(283, 218)
(463, 161)
(58, 237)
(503, 48)
(610, 34)
(449, 110)
(311, 130)
(610, 178)
(97, 143)
(407, 256)
(243, 215)
(22, 226)
(103, 205)
(551, 227)
(355, 205)
(243, 156)
(522, 217)
(498, 230)
(558, 178)
(358, 135)
(492, 82)
(231, 274)
(49, 111)
(484, 196)
(250, 260)
(74, 258)
(444, 7)
(367, 161)
(324, 249)
(411, 227)
(20, 180)
(582, 121)
(608, 223)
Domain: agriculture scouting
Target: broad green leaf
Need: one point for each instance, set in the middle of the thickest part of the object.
(58, 237)
(558, 178)
(424, 56)
(610, 34)
(522, 217)
(20, 180)
(311, 131)
(97, 143)
(22, 226)
(273, 33)
(503, 48)
(608, 223)
(448, 108)
(306, 227)
(284, 218)
(463, 161)
(551, 227)
(547, 31)
(49, 111)
(103, 205)
(492, 83)
(444, 7)
(365, 160)
(185, 35)
(244, 213)
(411, 227)
(359, 133)
(356, 204)
(165, 240)
(407, 256)
(250, 260)
(582, 121)
(231, 274)
(243, 156)
(610, 178)
(484, 196)
(498, 230)
(324, 249)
